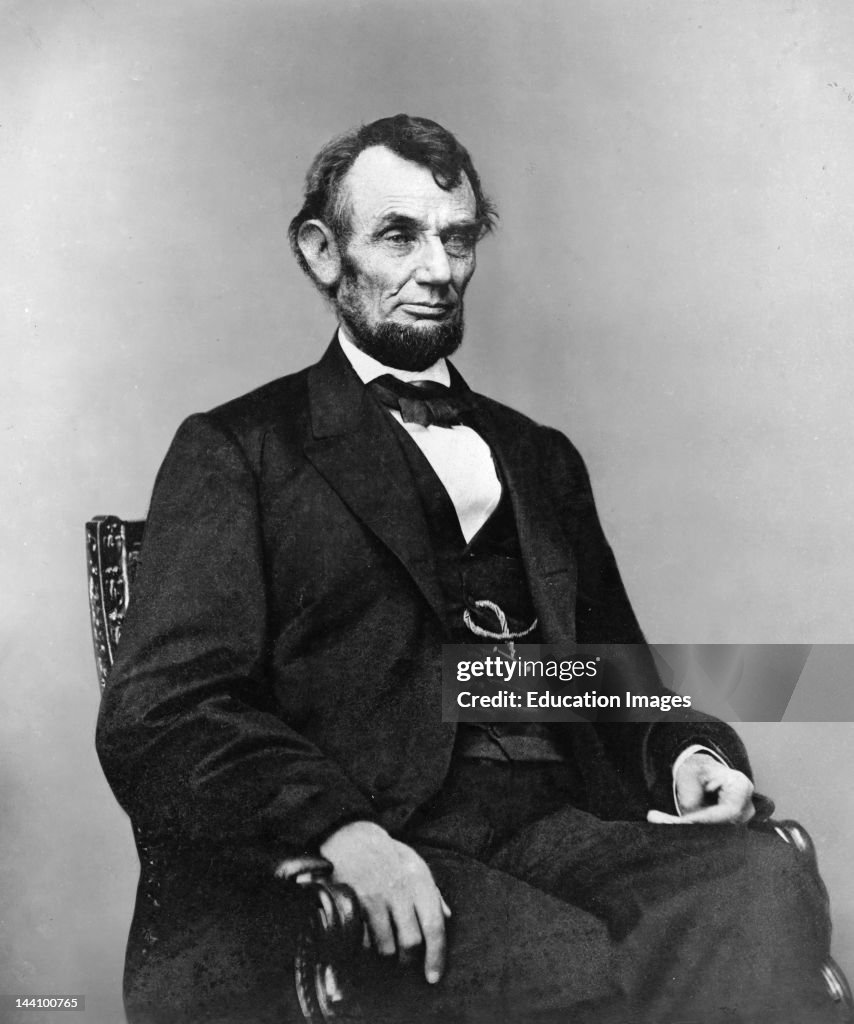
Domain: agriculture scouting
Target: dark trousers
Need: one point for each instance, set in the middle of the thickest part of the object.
(560, 916)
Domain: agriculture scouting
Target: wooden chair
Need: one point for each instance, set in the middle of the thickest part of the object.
(331, 934)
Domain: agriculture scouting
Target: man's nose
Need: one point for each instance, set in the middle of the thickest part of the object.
(434, 267)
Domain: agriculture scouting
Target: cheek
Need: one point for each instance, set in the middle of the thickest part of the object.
(376, 282)
(366, 289)
(463, 273)
(384, 284)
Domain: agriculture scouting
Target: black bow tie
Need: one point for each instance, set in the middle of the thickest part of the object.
(423, 401)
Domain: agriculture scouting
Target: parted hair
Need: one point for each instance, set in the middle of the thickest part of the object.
(417, 139)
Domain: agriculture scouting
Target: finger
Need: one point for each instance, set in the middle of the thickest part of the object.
(716, 814)
(432, 921)
(382, 932)
(446, 910)
(736, 794)
(408, 931)
(661, 818)
(740, 799)
(366, 936)
(690, 792)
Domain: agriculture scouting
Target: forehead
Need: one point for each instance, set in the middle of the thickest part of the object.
(380, 183)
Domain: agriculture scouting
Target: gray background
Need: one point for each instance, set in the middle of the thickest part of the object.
(671, 284)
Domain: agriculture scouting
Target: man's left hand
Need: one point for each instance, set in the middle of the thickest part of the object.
(709, 793)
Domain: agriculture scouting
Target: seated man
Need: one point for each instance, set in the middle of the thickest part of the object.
(309, 548)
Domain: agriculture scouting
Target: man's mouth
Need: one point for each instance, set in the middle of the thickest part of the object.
(428, 310)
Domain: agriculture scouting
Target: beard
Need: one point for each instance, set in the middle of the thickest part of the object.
(401, 346)
(406, 346)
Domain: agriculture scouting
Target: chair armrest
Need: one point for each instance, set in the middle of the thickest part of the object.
(328, 942)
(796, 835)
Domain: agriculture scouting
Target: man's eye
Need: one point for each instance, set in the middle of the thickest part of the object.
(399, 238)
(458, 244)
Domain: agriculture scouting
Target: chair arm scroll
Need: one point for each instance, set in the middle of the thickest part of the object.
(793, 833)
(328, 942)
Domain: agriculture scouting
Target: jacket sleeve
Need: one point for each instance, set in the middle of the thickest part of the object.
(188, 735)
(642, 753)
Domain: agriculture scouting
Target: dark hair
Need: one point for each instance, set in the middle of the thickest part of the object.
(414, 138)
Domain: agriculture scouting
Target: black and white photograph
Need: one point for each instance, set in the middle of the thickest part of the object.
(363, 361)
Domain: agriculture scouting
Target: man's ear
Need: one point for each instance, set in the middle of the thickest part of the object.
(320, 251)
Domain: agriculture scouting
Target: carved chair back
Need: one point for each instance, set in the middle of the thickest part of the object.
(112, 549)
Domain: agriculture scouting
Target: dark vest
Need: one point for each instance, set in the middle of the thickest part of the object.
(486, 569)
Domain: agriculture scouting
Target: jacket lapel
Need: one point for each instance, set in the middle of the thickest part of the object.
(353, 447)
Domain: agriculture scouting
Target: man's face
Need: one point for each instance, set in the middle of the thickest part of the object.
(407, 260)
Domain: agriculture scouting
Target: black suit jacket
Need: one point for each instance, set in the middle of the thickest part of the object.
(278, 672)
(279, 669)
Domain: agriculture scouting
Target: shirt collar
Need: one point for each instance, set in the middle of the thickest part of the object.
(367, 368)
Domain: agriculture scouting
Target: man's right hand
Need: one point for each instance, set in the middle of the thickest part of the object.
(396, 891)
